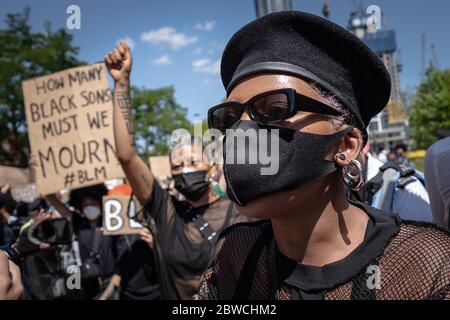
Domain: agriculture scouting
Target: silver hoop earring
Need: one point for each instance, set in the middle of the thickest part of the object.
(353, 181)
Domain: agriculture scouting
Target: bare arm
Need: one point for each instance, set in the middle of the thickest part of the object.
(112, 285)
(10, 280)
(59, 206)
(138, 174)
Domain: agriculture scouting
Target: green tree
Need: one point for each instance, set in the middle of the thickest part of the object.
(431, 108)
(23, 55)
(156, 116)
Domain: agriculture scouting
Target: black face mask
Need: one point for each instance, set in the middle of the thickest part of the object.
(192, 185)
(301, 161)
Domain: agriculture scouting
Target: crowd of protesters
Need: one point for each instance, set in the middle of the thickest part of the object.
(335, 206)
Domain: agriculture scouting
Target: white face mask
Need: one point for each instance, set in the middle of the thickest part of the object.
(91, 212)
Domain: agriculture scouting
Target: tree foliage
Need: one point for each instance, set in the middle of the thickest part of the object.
(23, 55)
(431, 108)
(156, 116)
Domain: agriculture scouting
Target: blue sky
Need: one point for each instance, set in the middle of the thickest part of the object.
(179, 42)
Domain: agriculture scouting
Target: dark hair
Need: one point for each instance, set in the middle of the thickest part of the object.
(38, 204)
(22, 209)
(346, 116)
(2, 200)
(391, 154)
(402, 146)
(7, 202)
(94, 192)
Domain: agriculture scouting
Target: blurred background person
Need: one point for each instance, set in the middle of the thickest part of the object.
(13, 277)
(42, 272)
(7, 206)
(391, 156)
(135, 274)
(401, 151)
(96, 251)
(437, 177)
(395, 188)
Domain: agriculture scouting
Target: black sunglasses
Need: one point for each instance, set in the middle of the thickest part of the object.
(266, 108)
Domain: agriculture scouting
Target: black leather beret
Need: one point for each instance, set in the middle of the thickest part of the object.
(312, 48)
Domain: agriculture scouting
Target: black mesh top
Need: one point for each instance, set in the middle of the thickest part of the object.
(397, 260)
(182, 253)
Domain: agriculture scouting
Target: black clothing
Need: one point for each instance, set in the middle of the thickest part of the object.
(399, 259)
(40, 270)
(135, 264)
(182, 252)
(104, 265)
(7, 237)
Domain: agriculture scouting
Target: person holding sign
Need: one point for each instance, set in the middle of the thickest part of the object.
(185, 231)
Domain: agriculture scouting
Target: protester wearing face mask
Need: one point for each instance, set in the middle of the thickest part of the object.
(95, 249)
(184, 231)
(314, 87)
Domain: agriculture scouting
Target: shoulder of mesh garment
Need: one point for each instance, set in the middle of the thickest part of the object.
(229, 257)
(416, 263)
(428, 234)
(254, 227)
(235, 242)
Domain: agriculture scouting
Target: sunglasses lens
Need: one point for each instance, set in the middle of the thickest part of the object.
(271, 108)
(226, 116)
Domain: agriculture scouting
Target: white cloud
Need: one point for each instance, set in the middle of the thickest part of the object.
(163, 60)
(168, 35)
(207, 26)
(129, 41)
(206, 66)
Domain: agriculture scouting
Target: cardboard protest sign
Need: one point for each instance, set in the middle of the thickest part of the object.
(118, 214)
(14, 176)
(70, 128)
(160, 166)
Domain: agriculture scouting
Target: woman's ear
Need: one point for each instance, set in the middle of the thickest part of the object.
(349, 148)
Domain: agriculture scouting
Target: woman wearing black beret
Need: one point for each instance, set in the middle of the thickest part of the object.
(314, 87)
